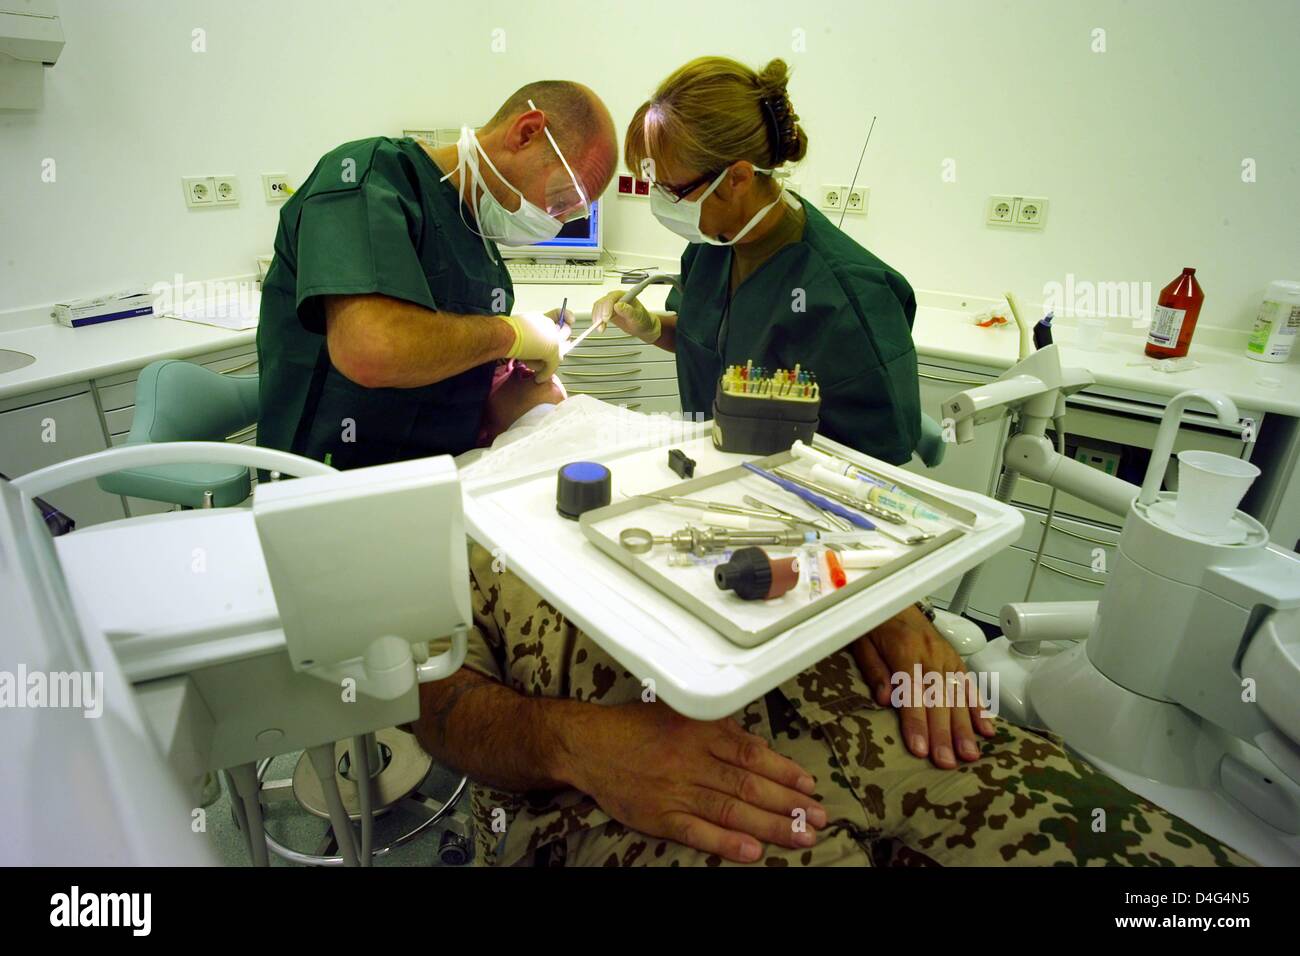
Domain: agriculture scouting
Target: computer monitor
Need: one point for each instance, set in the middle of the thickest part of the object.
(579, 239)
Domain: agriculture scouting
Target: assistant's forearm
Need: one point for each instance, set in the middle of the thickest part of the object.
(497, 736)
(668, 335)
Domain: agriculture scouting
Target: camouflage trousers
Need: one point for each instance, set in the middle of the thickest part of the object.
(1026, 801)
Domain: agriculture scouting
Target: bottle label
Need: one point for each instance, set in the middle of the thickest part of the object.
(1166, 323)
(1275, 329)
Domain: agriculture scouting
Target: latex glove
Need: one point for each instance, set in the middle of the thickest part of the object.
(632, 317)
(941, 733)
(537, 340)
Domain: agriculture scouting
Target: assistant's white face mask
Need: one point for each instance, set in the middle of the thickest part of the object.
(526, 225)
(683, 217)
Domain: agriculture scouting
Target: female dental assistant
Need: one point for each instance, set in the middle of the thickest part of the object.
(766, 277)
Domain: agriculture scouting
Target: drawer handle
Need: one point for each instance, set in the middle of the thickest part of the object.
(632, 406)
(605, 391)
(239, 368)
(601, 353)
(1083, 537)
(572, 373)
(1066, 574)
(953, 381)
(242, 432)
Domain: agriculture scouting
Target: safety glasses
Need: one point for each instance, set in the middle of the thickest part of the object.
(676, 194)
(566, 200)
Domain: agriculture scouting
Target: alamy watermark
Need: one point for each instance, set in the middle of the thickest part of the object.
(945, 689)
(1085, 297)
(67, 690)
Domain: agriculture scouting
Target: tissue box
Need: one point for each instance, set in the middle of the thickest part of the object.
(106, 308)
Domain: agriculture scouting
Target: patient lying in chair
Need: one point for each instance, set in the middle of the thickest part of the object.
(574, 765)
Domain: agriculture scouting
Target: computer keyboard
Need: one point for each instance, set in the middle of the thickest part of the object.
(555, 273)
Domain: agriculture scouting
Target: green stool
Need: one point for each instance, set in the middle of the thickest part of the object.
(931, 446)
(181, 401)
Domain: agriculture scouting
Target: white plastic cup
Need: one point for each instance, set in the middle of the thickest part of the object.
(1090, 331)
(1210, 486)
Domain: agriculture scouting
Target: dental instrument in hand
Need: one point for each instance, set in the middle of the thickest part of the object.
(627, 296)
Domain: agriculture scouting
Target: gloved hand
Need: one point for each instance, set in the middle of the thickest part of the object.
(537, 340)
(632, 317)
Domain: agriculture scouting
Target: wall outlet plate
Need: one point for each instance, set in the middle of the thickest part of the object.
(1032, 212)
(1001, 211)
(831, 197)
(275, 186)
(199, 190)
(226, 190)
(856, 199)
(1021, 212)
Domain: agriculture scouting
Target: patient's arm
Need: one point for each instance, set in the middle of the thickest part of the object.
(895, 647)
(707, 784)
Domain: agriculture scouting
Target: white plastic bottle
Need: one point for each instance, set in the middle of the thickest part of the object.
(1277, 323)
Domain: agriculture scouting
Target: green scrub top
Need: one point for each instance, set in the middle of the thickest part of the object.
(823, 302)
(372, 218)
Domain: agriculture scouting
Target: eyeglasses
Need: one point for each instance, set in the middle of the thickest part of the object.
(566, 200)
(676, 194)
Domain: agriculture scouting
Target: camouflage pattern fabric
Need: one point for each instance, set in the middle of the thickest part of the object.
(1025, 802)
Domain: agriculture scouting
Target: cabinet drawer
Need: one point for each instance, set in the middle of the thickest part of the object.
(119, 420)
(245, 364)
(1006, 575)
(112, 397)
(628, 351)
(646, 371)
(1072, 541)
(624, 390)
(652, 406)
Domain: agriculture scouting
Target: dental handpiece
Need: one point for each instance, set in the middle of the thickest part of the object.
(627, 296)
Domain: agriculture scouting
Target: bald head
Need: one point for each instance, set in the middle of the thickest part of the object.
(578, 120)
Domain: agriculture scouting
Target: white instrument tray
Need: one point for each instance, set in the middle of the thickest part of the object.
(687, 662)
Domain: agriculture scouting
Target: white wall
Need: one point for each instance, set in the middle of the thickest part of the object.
(1139, 148)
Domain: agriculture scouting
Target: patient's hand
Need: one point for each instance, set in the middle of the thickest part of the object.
(896, 647)
(707, 784)
(515, 396)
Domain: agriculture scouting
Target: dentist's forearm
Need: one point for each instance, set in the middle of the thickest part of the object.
(497, 736)
(382, 342)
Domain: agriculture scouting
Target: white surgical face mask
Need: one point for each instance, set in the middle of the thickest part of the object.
(523, 227)
(683, 217)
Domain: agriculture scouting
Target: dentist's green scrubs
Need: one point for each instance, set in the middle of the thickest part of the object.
(821, 301)
(373, 217)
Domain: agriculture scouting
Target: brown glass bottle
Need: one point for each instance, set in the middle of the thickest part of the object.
(1175, 317)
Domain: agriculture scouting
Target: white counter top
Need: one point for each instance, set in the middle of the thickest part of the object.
(944, 331)
(65, 356)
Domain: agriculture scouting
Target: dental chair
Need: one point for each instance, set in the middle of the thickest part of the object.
(1183, 681)
(179, 401)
